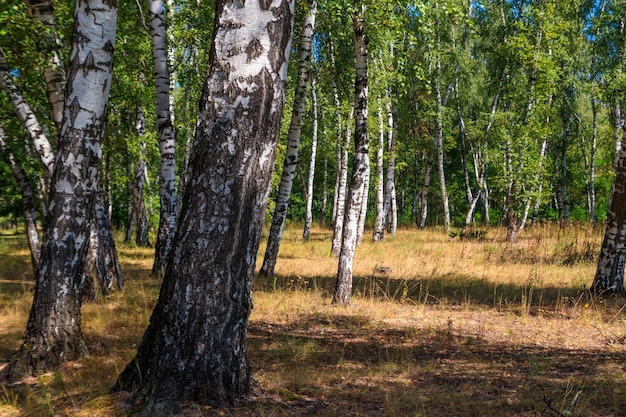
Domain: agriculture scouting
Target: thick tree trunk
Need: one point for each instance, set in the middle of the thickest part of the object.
(310, 181)
(343, 283)
(167, 142)
(194, 349)
(609, 278)
(53, 332)
(28, 202)
(293, 143)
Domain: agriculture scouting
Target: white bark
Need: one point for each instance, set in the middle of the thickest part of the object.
(340, 200)
(27, 117)
(165, 132)
(343, 283)
(309, 200)
(53, 333)
(293, 144)
(379, 223)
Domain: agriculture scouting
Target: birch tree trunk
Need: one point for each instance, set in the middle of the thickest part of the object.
(28, 118)
(293, 143)
(53, 332)
(342, 185)
(391, 203)
(194, 349)
(609, 278)
(592, 162)
(379, 223)
(424, 199)
(439, 130)
(310, 181)
(28, 202)
(343, 283)
(363, 211)
(165, 133)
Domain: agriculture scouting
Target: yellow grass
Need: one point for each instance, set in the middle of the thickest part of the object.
(458, 327)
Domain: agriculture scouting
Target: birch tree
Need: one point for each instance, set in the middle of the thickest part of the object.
(53, 332)
(293, 143)
(165, 132)
(310, 181)
(343, 283)
(194, 348)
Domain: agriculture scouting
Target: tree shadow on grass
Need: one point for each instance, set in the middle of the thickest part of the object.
(358, 369)
(450, 289)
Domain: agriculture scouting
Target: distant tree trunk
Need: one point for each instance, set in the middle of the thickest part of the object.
(131, 217)
(391, 204)
(424, 199)
(339, 148)
(592, 162)
(167, 142)
(53, 332)
(379, 223)
(340, 201)
(609, 278)
(439, 131)
(293, 143)
(107, 263)
(194, 349)
(28, 202)
(563, 197)
(343, 283)
(308, 221)
(324, 179)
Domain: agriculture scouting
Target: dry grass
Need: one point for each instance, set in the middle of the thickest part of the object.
(457, 327)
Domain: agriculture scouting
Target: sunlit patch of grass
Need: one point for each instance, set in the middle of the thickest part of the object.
(452, 327)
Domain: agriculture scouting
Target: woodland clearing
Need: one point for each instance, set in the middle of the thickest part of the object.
(452, 327)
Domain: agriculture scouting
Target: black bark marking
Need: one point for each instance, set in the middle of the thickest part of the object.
(253, 50)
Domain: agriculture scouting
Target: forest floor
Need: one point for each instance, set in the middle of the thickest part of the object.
(455, 328)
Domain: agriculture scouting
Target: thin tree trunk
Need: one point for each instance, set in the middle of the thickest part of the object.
(107, 265)
(309, 200)
(379, 223)
(343, 283)
(592, 163)
(563, 180)
(165, 133)
(28, 119)
(324, 208)
(293, 143)
(341, 190)
(391, 205)
(439, 131)
(28, 202)
(363, 211)
(194, 350)
(427, 177)
(53, 332)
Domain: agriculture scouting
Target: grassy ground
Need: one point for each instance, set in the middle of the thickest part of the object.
(456, 328)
